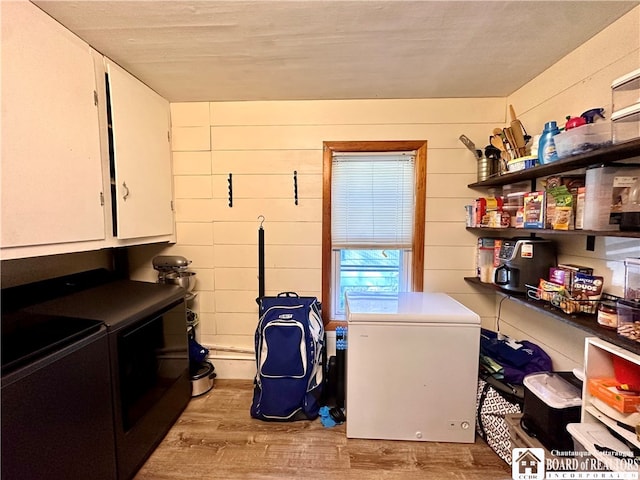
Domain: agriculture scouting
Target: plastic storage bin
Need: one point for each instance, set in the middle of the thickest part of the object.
(626, 124)
(583, 139)
(604, 197)
(550, 403)
(521, 163)
(485, 253)
(629, 319)
(587, 435)
(625, 90)
(519, 438)
(632, 278)
(513, 193)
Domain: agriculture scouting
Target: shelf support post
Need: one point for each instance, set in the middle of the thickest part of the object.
(591, 243)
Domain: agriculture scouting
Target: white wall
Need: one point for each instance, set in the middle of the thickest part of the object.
(262, 143)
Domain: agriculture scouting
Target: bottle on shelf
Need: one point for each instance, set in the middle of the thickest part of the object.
(546, 147)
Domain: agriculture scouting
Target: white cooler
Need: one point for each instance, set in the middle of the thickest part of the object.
(412, 367)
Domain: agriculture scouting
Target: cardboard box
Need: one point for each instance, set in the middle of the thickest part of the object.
(580, 208)
(483, 206)
(569, 275)
(559, 184)
(534, 206)
(605, 389)
(497, 246)
(572, 182)
(559, 276)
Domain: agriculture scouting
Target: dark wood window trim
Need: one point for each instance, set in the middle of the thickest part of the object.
(417, 273)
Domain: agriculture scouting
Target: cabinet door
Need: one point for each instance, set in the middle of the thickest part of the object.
(141, 157)
(51, 171)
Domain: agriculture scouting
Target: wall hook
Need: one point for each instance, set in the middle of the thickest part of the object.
(295, 187)
(230, 180)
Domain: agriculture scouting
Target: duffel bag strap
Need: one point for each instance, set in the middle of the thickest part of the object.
(483, 396)
(288, 294)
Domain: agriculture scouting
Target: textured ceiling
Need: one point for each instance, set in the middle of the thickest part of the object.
(321, 49)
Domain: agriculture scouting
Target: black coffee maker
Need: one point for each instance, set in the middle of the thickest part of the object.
(524, 261)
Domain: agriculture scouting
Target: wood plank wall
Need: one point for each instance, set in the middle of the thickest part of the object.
(262, 143)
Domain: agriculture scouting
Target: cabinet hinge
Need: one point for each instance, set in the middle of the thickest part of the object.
(95, 98)
(172, 206)
(101, 199)
(169, 136)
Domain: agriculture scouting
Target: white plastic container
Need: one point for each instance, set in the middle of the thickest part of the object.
(597, 199)
(606, 192)
(625, 90)
(583, 139)
(626, 123)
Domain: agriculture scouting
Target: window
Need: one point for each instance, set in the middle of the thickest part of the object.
(364, 270)
(373, 219)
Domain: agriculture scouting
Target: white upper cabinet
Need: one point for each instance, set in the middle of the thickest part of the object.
(52, 184)
(140, 157)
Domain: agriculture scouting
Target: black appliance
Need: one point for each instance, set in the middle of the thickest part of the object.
(524, 261)
(146, 355)
(148, 350)
(57, 415)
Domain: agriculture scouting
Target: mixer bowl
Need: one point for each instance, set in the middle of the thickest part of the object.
(186, 280)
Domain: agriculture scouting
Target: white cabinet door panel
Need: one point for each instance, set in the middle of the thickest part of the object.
(51, 172)
(142, 156)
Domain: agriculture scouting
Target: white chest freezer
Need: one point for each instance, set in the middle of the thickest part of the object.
(412, 367)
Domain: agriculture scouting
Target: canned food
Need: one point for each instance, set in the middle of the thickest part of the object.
(608, 315)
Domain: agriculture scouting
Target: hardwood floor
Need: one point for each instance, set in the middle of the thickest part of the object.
(215, 438)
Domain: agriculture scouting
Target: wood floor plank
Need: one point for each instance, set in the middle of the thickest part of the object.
(215, 438)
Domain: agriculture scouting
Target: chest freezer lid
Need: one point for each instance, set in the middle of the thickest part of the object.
(410, 307)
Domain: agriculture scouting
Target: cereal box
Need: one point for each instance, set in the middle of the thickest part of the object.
(534, 209)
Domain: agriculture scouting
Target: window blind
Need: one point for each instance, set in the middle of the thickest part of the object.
(372, 200)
